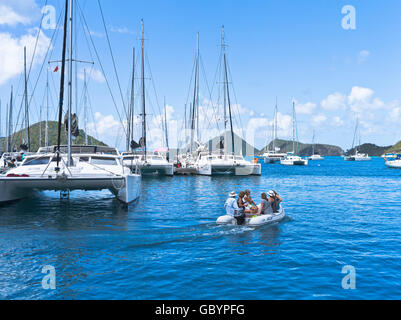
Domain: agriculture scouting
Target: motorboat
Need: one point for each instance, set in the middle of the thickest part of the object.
(358, 157)
(151, 164)
(294, 160)
(217, 163)
(273, 157)
(90, 168)
(316, 157)
(255, 221)
(394, 161)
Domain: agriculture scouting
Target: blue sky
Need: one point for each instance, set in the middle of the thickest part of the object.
(289, 49)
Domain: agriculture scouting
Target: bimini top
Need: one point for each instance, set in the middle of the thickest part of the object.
(77, 149)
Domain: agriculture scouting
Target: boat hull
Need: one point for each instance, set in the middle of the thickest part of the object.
(254, 222)
(126, 188)
(152, 169)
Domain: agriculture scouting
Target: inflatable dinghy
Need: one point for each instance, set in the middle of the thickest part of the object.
(256, 221)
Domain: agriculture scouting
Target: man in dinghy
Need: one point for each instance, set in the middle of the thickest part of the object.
(233, 210)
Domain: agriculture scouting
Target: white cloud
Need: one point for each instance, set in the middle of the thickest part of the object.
(319, 119)
(122, 30)
(306, 108)
(93, 74)
(12, 53)
(337, 121)
(361, 100)
(14, 12)
(363, 56)
(335, 101)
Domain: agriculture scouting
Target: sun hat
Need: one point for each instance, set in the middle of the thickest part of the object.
(271, 193)
(233, 194)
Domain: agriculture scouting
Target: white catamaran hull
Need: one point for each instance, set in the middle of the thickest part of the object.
(394, 164)
(290, 162)
(254, 222)
(125, 188)
(150, 168)
(223, 169)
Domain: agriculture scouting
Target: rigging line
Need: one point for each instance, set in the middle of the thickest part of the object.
(153, 84)
(112, 57)
(236, 101)
(101, 67)
(37, 40)
(44, 60)
(210, 93)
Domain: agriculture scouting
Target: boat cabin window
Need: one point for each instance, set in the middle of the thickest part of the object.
(36, 161)
(84, 159)
(103, 161)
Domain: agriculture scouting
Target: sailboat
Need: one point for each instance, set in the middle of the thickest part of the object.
(274, 156)
(139, 158)
(315, 157)
(292, 158)
(357, 156)
(184, 163)
(68, 168)
(222, 162)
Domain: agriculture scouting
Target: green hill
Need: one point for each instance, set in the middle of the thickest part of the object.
(304, 148)
(35, 137)
(395, 148)
(370, 149)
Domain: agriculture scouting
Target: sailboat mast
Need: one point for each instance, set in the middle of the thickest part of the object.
(293, 127)
(85, 108)
(143, 96)
(195, 102)
(130, 134)
(10, 124)
(61, 98)
(275, 127)
(227, 91)
(27, 133)
(47, 110)
(313, 143)
(165, 124)
(69, 162)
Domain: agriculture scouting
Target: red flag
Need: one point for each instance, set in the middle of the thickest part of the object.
(55, 70)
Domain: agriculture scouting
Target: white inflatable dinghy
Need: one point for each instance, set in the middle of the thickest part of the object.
(256, 221)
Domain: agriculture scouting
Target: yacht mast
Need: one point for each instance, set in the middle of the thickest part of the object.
(27, 133)
(275, 127)
(69, 162)
(130, 135)
(143, 96)
(10, 123)
(293, 127)
(227, 91)
(85, 109)
(195, 103)
(165, 123)
(61, 98)
(47, 110)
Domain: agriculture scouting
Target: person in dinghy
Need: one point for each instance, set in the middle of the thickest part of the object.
(271, 204)
(235, 208)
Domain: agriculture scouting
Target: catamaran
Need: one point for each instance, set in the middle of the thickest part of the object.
(139, 158)
(293, 159)
(66, 168)
(315, 157)
(357, 156)
(274, 156)
(223, 161)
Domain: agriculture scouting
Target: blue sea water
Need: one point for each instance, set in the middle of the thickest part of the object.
(168, 246)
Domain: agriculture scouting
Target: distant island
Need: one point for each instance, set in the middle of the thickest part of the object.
(35, 137)
(305, 149)
(370, 149)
